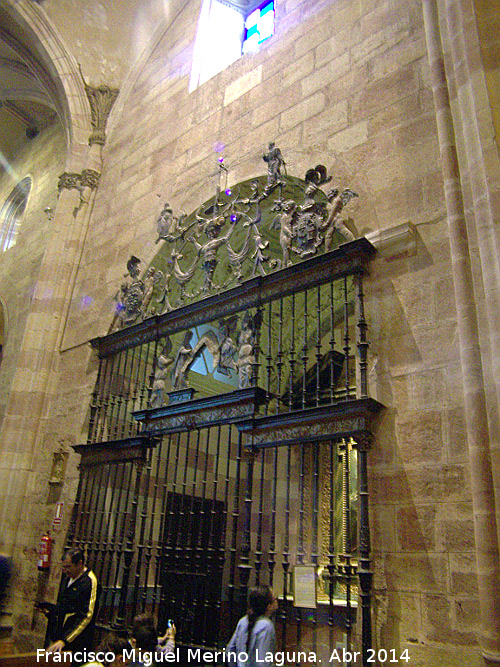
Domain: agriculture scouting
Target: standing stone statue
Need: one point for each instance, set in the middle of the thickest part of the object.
(275, 162)
(161, 374)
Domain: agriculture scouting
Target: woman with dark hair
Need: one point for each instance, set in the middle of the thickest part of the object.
(254, 637)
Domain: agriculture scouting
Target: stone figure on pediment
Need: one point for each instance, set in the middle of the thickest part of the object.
(337, 200)
(275, 163)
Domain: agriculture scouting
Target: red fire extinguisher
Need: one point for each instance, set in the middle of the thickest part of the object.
(45, 552)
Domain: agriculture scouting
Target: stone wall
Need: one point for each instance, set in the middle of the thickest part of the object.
(346, 85)
(42, 159)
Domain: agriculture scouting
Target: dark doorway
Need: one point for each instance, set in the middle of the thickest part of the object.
(192, 567)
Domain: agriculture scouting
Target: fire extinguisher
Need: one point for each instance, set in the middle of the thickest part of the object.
(45, 552)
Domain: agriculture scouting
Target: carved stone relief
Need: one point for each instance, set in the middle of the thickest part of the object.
(254, 228)
(231, 346)
(101, 100)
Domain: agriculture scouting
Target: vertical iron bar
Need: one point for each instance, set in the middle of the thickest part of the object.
(234, 532)
(315, 504)
(279, 357)
(331, 540)
(128, 552)
(106, 400)
(315, 524)
(116, 399)
(346, 340)
(164, 553)
(142, 532)
(179, 551)
(203, 562)
(105, 544)
(304, 354)
(318, 344)
(300, 546)
(123, 399)
(362, 341)
(211, 616)
(346, 540)
(134, 426)
(260, 516)
(364, 570)
(286, 550)
(221, 556)
(144, 391)
(291, 355)
(257, 320)
(269, 357)
(100, 512)
(129, 403)
(89, 508)
(245, 567)
(112, 556)
(191, 558)
(192, 542)
(92, 544)
(75, 515)
(152, 374)
(332, 343)
(121, 535)
(160, 541)
(149, 546)
(94, 404)
(272, 536)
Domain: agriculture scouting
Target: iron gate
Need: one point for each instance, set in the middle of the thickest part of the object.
(185, 502)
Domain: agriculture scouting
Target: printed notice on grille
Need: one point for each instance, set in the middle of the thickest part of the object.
(304, 586)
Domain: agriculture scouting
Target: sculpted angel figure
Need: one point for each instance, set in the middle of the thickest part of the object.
(183, 359)
(333, 222)
(169, 226)
(258, 254)
(153, 277)
(162, 372)
(246, 352)
(227, 348)
(285, 221)
(209, 250)
(130, 297)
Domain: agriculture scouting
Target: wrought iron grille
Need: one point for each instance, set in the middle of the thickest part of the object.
(184, 532)
(186, 499)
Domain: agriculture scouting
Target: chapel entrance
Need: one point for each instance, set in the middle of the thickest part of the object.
(229, 435)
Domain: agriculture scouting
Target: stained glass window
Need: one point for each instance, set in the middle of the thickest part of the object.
(225, 32)
(259, 26)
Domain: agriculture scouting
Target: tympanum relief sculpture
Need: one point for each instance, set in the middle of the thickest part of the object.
(231, 347)
(257, 227)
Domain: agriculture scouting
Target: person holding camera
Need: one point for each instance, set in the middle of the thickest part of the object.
(144, 636)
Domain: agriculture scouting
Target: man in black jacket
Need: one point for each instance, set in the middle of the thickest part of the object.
(74, 614)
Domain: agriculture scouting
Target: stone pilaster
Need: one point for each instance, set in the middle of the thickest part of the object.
(476, 417)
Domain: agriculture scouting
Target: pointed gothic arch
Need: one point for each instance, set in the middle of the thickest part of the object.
(56, 69)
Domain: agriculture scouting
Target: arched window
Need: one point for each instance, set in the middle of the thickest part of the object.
(12, 213)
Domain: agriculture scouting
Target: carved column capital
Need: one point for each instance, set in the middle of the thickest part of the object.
(68, 180)
(101, 101)
(90, 178)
